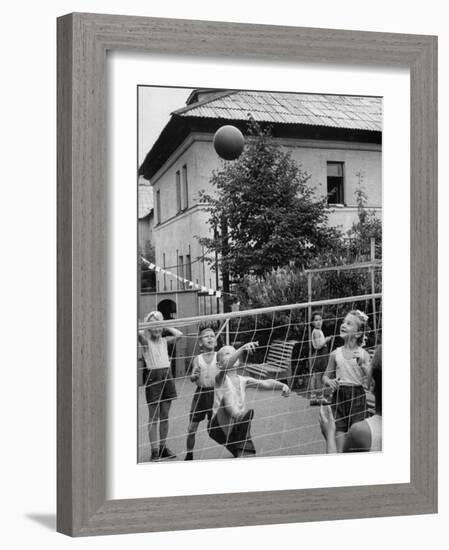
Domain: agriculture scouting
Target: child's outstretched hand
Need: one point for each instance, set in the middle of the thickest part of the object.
(285, 391)
(250, 347)
(327, 421)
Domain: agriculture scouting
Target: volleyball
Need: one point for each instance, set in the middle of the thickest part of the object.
(228, 142)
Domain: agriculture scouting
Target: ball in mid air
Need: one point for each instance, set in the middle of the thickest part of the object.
(228, 142)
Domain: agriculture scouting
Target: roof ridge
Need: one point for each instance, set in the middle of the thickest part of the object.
(219, 95)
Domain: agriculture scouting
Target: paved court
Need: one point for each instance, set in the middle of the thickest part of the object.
(281, 426)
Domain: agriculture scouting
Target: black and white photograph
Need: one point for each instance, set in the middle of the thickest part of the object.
(260, 273)
(233, 218)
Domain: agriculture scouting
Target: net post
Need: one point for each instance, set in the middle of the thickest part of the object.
(309, 316)
(373, 284)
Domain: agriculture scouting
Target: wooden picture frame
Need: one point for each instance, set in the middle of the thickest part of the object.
(83, 40)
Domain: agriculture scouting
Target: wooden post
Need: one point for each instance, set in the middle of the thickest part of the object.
(217, 277)
(177, 269)
(309, 316)
(373, 288)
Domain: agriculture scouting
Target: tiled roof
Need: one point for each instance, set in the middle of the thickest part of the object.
(145, 198)
(336, 111)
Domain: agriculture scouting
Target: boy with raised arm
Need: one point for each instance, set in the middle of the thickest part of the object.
(231, 422)
(160, 388)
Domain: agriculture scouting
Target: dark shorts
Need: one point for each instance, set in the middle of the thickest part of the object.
(239, 440)
(320, 360)
(202, 403)
(348, 406)
(159, 387)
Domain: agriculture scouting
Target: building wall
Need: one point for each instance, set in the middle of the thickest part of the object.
(145, 230)
(177, 231)
(176, 234)
(177, 238)
(362, 167)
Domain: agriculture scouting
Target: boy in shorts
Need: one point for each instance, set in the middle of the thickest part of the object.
(231, 422)
(203, 374)
(160, 388)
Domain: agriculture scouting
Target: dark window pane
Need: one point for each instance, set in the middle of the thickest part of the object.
(178, 191)
(335, 183)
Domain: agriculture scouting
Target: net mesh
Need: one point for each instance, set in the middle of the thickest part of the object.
(284, 351)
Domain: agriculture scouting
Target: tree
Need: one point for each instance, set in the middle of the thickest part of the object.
(367, 227)
(263, 213)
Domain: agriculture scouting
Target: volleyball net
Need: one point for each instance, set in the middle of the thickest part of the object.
(284, 351)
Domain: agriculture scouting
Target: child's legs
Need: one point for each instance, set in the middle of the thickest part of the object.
(164, 409)
(240, 442)
(319, 386)
(341, 405)
(192, 429)
(314, 382)
(153, 418)
(340, 438)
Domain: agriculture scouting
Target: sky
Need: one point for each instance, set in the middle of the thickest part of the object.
(155, 105)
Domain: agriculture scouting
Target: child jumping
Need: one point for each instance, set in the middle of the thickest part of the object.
(160, 388)
(319, 359)
(203, 374)
(231, 422)
(346, 374)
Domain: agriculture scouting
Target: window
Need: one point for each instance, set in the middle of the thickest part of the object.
(158, 206)
(335, 183)
(181, 269)
(178, 191)
(185, 186)
(188, 268)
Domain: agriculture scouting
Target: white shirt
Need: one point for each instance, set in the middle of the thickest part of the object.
(318, 339)
(233, 391)
(207, 371)
(155, 353)
(349, 371)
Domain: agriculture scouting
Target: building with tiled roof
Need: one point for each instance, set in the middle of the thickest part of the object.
(145, 202)
(336, 139)
(334, 111)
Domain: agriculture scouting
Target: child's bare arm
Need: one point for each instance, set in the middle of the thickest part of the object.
(269, 384)
(195, 370)
(316, 341)
(176, 334)
(366, 361)
(250, 347)
(363, 360)
(140, 347)
(329, 375)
